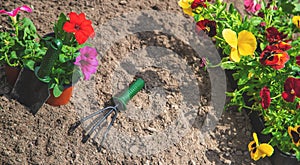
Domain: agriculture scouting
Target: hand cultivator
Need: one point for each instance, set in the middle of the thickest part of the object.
(120, 102)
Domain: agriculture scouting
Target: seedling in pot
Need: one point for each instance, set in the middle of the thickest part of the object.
(31, 88)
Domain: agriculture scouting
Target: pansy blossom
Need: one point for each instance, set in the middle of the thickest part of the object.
(296, 21)
(81, 27)
(257, 150)
(291, 89)
(274, 36)
(298, 60)
(274, 57)
(198, 3)
(265, 97)
(242, 45)
(87, 61)
(294, 133)
(208, 26)
(14, 12)
(186, 6)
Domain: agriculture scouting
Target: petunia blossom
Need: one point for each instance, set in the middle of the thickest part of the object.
(14, 12)
(81, 27)
(251, 6)
(274, 36)
(208, 26)
(274, 57)
(291, 89)
(265, 97)
(87, 61)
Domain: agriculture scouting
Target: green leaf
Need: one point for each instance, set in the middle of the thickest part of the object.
(255, 21)
(28, 28)
(58, 27)
(62, 58)
(297, 8)
(228, 65)
(298, 155)
(29, 64)
(57, 90)
(287, 7)
(267, 130)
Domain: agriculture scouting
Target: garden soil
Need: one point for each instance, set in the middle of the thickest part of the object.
(44, 138)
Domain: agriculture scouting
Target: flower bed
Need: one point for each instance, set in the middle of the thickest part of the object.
(263, 50)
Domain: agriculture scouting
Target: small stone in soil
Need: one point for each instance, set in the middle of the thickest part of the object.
(122, 2)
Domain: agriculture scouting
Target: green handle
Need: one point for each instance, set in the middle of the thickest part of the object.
(128, 94)
(49, 59)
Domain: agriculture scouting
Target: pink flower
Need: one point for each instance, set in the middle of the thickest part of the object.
(87, 61)
(203, 62)
(251, 6)
(265, 97)
(15, 11)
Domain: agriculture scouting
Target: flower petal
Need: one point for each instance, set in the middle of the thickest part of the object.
(288, 97)
(81, 37)
(26, 8)
(69, 27)
(296, 21)
(255, 138)
(230, 37)
(246, 43)
(234, 55)
(265, 148)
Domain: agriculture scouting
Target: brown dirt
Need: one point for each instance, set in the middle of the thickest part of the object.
(43, 139)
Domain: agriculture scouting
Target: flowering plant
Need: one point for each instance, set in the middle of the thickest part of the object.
(59, 58)
(263, 50)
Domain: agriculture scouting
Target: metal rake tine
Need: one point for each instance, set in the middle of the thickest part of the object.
(86, 137)
(107, 129)
(76, 124)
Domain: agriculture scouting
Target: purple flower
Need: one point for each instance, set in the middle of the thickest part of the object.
(15, 11)
(251, 5)
(87, 61)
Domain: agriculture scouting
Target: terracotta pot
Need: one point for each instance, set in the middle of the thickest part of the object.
(12, 74)
(63, 99)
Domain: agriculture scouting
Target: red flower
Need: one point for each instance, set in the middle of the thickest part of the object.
(208, 26)
(291, 89)
(197, 3)
(80, 26)
(282, 46)
(265, 97)
(273, 35)
(298, 60)
(274, 57)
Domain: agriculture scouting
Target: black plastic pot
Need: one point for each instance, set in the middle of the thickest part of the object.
(278, 157)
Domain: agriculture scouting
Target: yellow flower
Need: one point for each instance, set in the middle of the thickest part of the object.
(186, 6)
(295, 134)
(242, 45)
(296, 21)
(257, 150)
